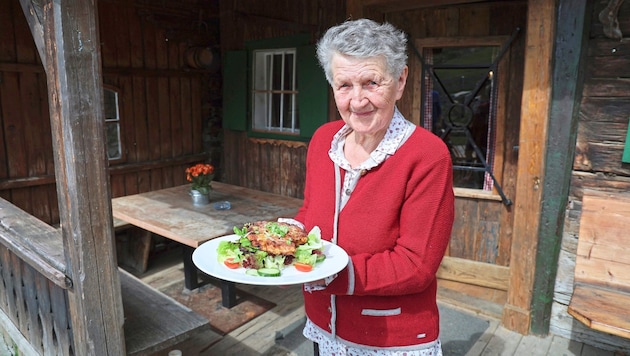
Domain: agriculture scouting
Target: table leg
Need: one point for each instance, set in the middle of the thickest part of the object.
(190, 270)
(228, 289)
(228, 294)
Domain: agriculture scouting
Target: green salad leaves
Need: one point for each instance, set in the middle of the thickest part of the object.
(241, 253)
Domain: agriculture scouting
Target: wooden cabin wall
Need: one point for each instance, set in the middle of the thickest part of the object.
(26, 162)
(483, 228)
(271, 165)
(604, 112)
(168, 108)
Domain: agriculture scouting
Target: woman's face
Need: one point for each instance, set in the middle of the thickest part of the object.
(365, 93)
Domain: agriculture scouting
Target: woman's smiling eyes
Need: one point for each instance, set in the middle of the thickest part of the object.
(371, 84)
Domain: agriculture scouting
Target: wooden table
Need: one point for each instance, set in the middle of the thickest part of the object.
(171, 214)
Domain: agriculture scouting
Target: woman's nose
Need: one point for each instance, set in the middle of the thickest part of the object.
(358, 96)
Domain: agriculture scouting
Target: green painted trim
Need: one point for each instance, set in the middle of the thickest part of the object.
(235, 91)
(571, 34)
(626, 150)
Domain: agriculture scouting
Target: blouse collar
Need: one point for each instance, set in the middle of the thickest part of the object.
(397, 132)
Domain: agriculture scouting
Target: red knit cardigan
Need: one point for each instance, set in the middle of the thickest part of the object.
(395, 227)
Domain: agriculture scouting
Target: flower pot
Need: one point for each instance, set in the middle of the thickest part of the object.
(198, 198)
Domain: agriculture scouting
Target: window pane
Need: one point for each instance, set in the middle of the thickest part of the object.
(462, 88)
(275, 112)
(110, 104)
(276, 75)
(112, 119)
(287, 110)
(288, 71)
(274, 92)
(113, 139)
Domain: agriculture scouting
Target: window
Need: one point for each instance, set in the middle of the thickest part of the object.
(460, 96)
(462, 109)
(112, 124)
(275, 89)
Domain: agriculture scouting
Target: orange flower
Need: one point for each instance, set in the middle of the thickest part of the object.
(201, 176)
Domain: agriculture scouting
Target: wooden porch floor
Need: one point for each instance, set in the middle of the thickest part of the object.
(258, 337)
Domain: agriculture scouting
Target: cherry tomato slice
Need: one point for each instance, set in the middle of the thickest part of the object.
(229, 262)
(303, 267)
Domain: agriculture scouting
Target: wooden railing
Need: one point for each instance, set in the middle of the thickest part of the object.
(34, 307)
(33, 293)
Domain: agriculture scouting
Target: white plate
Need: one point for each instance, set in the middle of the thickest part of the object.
(205, 258)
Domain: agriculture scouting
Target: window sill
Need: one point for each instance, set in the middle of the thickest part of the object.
(275, 142)
(476, 194)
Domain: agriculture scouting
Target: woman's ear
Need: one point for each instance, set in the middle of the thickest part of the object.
(402, 81)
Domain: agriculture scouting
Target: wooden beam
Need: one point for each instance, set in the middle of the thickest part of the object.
(473, 272)
(33, 11)
(531, 163)
(403, 5)
(563, 122)
(73, 69)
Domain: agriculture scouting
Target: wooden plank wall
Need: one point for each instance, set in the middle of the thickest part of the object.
(602, 125)
(167, 107)
(271, 165)
(482, 230)
(25, 139)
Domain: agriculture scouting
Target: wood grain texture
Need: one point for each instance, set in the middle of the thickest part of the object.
(170, 213)
(535, 107)
(154, 321)
(601, 296)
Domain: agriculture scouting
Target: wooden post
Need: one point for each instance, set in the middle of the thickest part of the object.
(563, 122)
(73, 70)
(531, 163)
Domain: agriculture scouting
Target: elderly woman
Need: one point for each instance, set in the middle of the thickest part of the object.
(380, 187)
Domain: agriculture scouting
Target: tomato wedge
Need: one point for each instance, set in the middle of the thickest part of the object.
(229, 262)
(303, 267)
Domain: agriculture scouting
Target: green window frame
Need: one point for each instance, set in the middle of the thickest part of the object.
(311, 89)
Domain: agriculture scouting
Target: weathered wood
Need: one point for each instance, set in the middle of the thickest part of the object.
(170, 213)
(558, 160)
(536, 99)
(154, 321)
(71, 41)
(472, 272)
(601, 309)
(601, 296)
(133, 247)
(35, 242)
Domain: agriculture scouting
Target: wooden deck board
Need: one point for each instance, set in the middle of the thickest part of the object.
(257, 337)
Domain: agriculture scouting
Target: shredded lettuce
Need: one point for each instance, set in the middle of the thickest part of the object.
(307, 253)
(274, 262)
(227, 249)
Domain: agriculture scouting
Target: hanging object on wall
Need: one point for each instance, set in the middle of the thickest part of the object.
(626, 150)
(608, 18)
(201, 58)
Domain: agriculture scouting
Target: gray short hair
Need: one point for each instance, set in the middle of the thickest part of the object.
(364, 38)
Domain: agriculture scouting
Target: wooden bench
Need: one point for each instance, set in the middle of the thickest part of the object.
(133, 246)
(154, 321)
(601, 295)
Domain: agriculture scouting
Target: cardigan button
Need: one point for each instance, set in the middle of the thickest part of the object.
(348, 191)
(330, 309)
